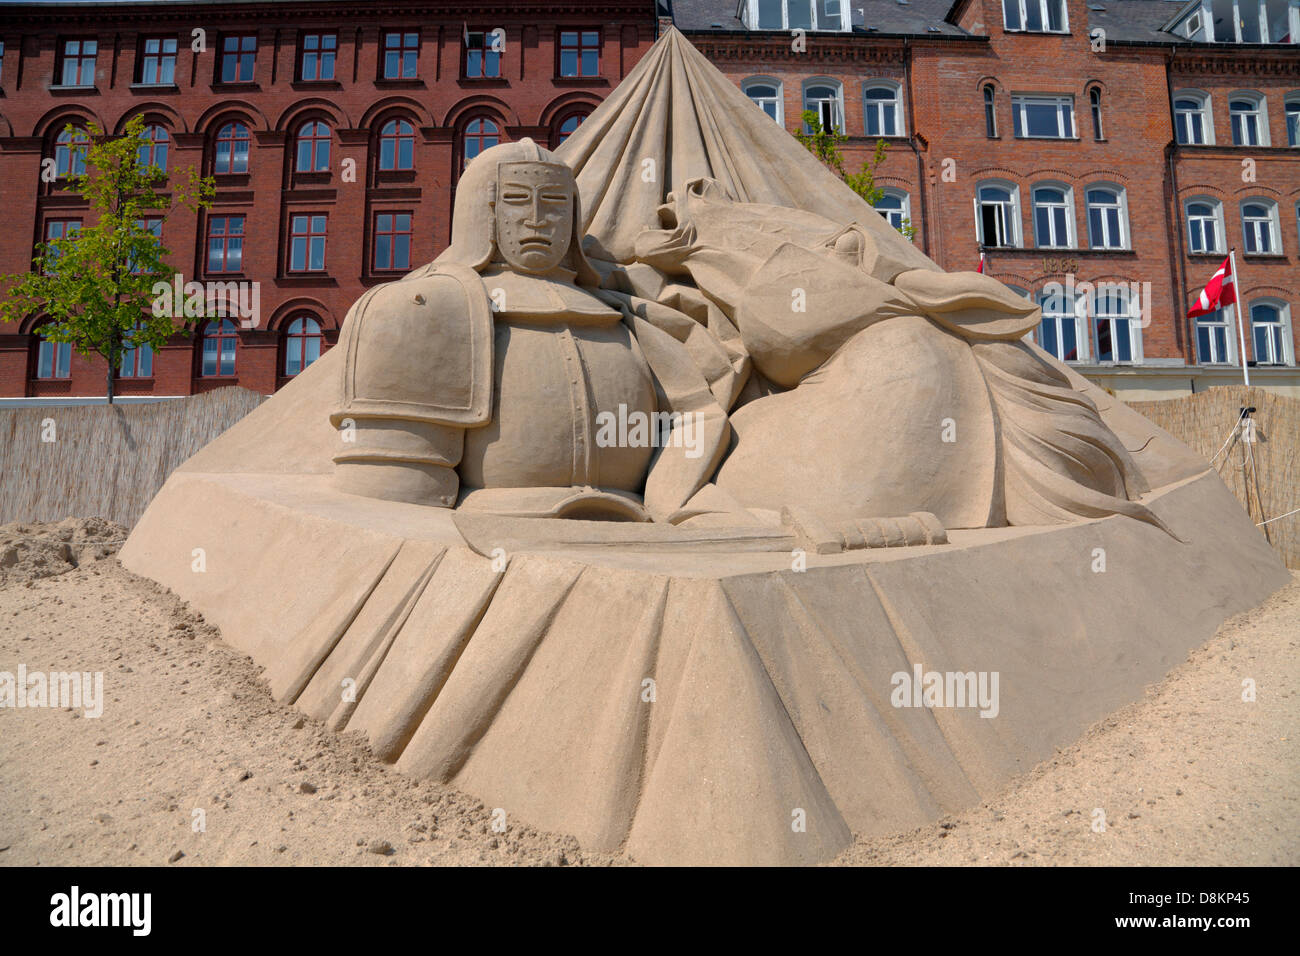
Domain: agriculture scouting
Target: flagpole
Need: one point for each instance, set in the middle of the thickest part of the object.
(1236, 307)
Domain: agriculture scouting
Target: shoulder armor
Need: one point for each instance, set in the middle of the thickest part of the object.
(420, 349)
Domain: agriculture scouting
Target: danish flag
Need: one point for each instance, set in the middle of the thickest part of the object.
(981, 265)
(1221, 290)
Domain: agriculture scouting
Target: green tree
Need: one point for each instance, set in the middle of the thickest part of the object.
(96, 284)
(827, 146)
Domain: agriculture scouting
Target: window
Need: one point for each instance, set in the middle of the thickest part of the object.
(1043, 117)
(997, 215)
(157, 61)
(579, 53)
(302, 344)
(482, 56)
(396, 146)
(154, 141)
(1259, 226)
(894, 205)
(1115, 321)
(1270, 333)
(569, 127)
(153, 225)
(1205, 225)
(1035, 16)
(392, 241)
(1249, 120)
(220, 341)
(1192, 121)
(480, 134)
(307, 243)
(317, 50)
(313, 147)
(53, 359)
(401, 55)
(1094, 99)
(1107, 217)
(882, 110)
(78, 67)
(766, 95)
(238, 55)
(1293, 120)
(2, 62)
(823, 98)
(1053, 217)
(231, 154)
(1058, 334)
(70, 153)
(1214, 342)
(824, 15)
(137, 360)
(58, 229)
(225, 243)
(990, 115)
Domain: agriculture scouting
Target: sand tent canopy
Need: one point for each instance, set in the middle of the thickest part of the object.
(676, 118)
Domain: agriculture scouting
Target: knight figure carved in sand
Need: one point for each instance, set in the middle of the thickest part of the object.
(782, 376)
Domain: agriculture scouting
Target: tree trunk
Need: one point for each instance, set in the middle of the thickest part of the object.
(110, 383)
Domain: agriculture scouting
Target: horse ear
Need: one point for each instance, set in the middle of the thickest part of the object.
(975, 306)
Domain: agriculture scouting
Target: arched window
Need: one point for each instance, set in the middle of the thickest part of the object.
(53, 359)
(480, 134)
(220, 342)
(1204, 225)
(990, 114)
(231, 152)
(302, 344)
(1053, 216)
(882, 110)
(154, 140)
(396, 145)
(894, 205)
(1058, 334)
(1270, 329)
(69, 153)
(823, 97)
(1215, 342)
(998, 214)
(1115, 322)
(1259, 227)
(1107, 217)
(766, 95)
(1193, 122)
(1249, 119)
(137, 360)
(313, 147)
(1094, 100)
(568, 127)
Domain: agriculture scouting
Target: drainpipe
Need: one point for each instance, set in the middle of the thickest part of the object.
(1177, 272)
(916, 148)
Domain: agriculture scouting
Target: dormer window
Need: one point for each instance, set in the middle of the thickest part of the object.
(820, 15)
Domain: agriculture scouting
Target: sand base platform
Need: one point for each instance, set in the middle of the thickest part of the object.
(685, 702)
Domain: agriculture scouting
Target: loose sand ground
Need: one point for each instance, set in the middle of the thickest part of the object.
(1191, 774)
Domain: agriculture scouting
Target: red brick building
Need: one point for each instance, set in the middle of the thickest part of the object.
(1103, 155)
(335, 132)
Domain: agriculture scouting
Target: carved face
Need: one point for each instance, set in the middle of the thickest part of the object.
(534, 215)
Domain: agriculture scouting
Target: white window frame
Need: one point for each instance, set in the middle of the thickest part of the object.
(1291, 108)
(1043, 6)
(1203, 110)
(1287, 356)
(1077, 314)
(1019, 124)
(1260, 113)
(838, 100)
(1229, 338)
(867, 105)
(1216, 208)
(1121, 200)
(1251, 227)
(989, 100)
(905, 210)
(1010, 216)
(1068, 203)
(750, 16)
(766, 81)
(1132, 315)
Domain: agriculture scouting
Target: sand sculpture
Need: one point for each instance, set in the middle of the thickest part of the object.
(628, 511)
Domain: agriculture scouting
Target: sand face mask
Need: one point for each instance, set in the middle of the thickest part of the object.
(534, 215)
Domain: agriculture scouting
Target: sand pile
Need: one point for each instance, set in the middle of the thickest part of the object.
(31, 551)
